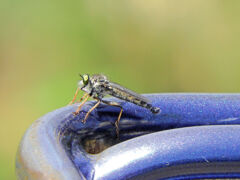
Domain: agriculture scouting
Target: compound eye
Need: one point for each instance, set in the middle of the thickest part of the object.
(85, 79)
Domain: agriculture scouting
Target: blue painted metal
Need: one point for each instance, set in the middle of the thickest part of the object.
(195, 136)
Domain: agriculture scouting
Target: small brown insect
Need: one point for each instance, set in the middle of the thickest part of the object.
(98, 86)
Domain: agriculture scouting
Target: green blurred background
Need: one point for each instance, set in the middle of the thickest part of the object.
(147, 46)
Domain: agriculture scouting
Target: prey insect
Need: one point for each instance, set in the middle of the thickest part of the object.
(97, 86)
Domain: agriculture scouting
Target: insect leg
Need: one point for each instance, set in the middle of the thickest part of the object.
(119, 116)
(75, 96)
(80, 106)
(82, 97)
(96, 105)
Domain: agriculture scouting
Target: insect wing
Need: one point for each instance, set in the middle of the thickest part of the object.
(118, 89)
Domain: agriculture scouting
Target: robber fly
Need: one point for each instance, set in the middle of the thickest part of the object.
(98, 86)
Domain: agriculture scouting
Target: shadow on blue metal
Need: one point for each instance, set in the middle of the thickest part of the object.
(195, 136)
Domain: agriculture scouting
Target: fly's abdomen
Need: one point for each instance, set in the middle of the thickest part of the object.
(154, 110)
(134, 99)
(147, 105)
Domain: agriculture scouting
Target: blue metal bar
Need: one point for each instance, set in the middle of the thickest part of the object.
(194, 136)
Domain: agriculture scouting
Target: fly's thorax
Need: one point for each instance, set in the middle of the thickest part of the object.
(97, 82)
(98, 78)
(98, 90)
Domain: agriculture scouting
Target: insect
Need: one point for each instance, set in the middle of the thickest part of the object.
(98, 86)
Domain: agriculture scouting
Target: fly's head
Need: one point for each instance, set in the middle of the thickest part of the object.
(85, 83)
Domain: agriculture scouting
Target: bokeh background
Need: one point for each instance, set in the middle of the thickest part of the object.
(147, 46)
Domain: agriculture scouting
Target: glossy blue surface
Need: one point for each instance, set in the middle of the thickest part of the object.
(195, 136)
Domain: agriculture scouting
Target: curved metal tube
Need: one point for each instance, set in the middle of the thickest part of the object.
(195, 136)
